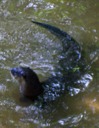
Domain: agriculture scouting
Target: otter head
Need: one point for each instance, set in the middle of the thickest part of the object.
(30, 85)
(18, 73)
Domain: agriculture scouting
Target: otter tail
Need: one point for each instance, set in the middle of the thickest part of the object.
(70, 46)
(54, 30)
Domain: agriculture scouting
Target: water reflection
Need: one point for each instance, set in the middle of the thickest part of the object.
(71, 121)
(93, 104)
(2, 88)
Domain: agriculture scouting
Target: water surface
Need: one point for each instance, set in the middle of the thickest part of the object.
(22, 43)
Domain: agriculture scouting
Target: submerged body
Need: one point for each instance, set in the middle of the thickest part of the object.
(69, 66)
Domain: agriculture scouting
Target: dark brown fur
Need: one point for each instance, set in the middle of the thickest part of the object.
(30, 86)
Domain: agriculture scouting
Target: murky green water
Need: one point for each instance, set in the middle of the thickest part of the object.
(22, 43)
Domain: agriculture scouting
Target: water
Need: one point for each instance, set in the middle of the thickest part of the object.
(22, 43)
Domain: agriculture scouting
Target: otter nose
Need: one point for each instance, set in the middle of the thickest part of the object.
(14, 71)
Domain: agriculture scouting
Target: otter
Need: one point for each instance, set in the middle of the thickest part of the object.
(30, 86)
(70, 63)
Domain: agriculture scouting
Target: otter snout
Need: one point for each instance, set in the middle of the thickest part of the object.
(17, 71)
